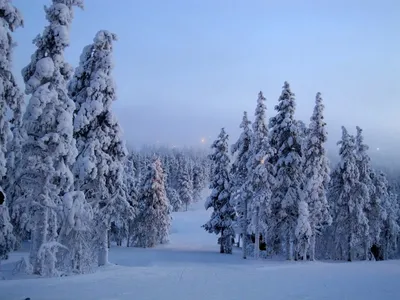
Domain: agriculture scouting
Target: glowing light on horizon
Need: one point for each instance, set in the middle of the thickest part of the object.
(203, 140)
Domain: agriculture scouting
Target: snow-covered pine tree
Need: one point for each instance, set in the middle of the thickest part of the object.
(132, 194)
(347, 192)
(153, 221)
(316, 170)
(99, 167)
(185, 186)
(372, 204)
(288, 193)
(198, 182)
(174, 198)
(239, 176)
(10, 98)
(223, 215)
(258, 187)
(48, 148)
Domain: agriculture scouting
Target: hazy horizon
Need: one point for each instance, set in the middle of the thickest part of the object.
(184, 70)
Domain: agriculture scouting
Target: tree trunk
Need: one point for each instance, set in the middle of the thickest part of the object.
(221, 243)
(238, 241)
(244, 242)
(38, 237)
(386, 250)
(103, 249)
(366, 250)
(350, 250)
(257, 235)
(304, 254)
(312, 246)
(289, 246)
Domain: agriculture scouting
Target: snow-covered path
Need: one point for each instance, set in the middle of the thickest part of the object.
(190, 267)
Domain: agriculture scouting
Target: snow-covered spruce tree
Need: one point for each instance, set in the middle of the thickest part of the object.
(347, 193)
(239, 176)
(258, 188)
(132, 194)
(198, 181)
(185, 187)
(48, 149)
(10, 98)
(316, 170)
(154, 220)
(288, 193)
(223, 215)
(372, 204)
(99, 167)
(174, 198)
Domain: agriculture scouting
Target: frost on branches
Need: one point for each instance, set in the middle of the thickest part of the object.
(285, 139)
(49, 148)
(154, 221)
(317, 178)
(99, 167)
(223, 216)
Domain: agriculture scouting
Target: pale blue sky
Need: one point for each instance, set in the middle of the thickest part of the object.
(185, 68)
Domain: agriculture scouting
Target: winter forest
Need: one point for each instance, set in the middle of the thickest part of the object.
(72, 188)
(69, 183)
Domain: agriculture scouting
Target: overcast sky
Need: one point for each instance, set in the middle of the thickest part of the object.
(184, 69)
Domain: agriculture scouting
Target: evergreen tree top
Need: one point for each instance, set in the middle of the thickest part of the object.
(47, 63)
(362, 148)
(348, 158)
(221, 143)
(245, 122)
(259, 127)
(286, 107)
(241, 144)
(317, 124)
(92, 86)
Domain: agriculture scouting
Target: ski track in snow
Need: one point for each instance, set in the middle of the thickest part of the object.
(190, 267)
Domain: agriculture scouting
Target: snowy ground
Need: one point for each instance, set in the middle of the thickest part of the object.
(190, 267)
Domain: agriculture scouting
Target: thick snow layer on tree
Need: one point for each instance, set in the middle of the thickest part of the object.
(190, 267)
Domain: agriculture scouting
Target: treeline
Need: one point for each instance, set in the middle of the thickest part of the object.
(280, 194)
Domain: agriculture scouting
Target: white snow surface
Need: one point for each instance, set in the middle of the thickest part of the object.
(190, 267)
